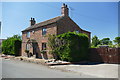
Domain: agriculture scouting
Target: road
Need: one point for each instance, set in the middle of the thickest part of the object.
(0, 68)
(19, 69)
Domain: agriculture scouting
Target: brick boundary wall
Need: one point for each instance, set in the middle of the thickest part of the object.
(106, 55)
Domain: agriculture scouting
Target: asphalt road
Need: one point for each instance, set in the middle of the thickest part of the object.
(19, 69)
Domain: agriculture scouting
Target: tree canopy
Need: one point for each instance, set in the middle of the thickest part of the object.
(117, 40)
(95, 41)
(105, 41)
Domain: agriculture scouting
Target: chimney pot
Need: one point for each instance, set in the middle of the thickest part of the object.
(32, 21)
(64, 10)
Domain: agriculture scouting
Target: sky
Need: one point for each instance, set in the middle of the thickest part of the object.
(100, 18)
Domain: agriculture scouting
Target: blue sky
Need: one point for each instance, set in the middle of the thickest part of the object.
(100, 18)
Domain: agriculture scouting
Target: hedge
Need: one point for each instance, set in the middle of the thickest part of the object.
(71, 46)
(11, 46)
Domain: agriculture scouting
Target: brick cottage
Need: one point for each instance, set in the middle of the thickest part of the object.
(34, 38)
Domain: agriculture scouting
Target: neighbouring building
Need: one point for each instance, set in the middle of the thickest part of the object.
(34, 37)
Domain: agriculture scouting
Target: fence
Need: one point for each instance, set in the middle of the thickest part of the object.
(106, 55)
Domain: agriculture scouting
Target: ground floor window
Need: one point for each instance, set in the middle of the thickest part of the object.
(27, 46)
(43, 46)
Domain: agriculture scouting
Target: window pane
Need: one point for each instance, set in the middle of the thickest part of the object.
(44, 30)
(28, 34)
(27, 46)
(43, 46)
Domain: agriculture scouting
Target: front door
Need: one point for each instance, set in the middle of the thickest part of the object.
(35, 45)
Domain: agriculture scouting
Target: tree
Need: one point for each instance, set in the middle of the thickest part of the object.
(105, 41)
(95, 41)
(117, 40)
(11, 45)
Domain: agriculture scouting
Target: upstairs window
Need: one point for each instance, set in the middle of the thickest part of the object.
(33, 31)
(28, 35)
(44, 30)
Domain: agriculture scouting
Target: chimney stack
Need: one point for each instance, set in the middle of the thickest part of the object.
(32, 21)
(64, 10)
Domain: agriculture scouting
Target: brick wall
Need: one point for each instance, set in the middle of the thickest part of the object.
(67, 24)
(106, 55)
(37, 35)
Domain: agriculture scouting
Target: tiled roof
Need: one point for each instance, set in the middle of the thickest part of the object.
(53, 20)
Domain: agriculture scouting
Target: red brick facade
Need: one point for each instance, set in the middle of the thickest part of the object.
(58, 25)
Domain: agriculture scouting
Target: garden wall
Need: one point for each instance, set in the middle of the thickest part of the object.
(106, 55)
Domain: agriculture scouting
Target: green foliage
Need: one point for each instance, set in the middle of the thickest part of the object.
(52, 45)
(17, 47)
(11, 45)
(117, 40)
(112, 46)
(43, 51)
(51, 41)
(17, 37)
(95, 41)
(105, 41)
(70, 46)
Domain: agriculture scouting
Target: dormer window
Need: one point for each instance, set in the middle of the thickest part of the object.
(44, 31)
(28, 35)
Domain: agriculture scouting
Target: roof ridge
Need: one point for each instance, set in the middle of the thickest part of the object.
(46, 22)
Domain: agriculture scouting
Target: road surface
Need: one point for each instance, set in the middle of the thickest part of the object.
(19, 69)
(0, 68)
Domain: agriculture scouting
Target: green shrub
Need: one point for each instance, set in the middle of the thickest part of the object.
(71, 46)
(12, 46)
